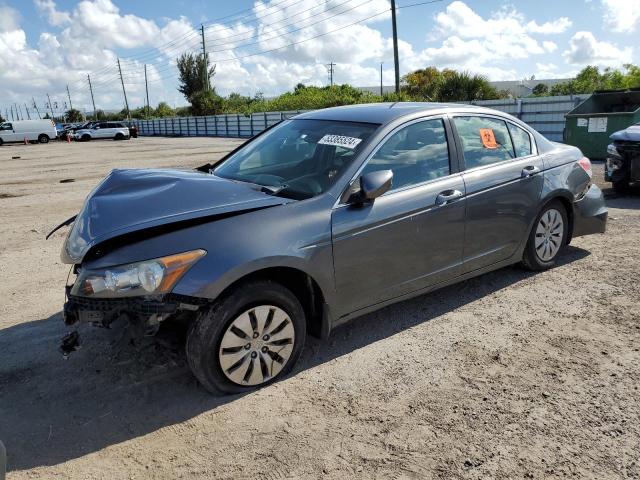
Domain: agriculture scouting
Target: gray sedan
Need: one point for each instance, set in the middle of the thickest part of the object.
(319, 220)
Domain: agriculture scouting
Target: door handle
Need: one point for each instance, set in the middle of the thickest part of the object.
(448, 196)
(529, 171)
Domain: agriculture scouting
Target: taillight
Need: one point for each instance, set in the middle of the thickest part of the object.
(585, 163)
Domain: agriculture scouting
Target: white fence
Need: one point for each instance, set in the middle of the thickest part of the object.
(545, 114)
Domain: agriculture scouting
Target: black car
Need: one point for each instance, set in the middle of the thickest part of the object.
(623, 158)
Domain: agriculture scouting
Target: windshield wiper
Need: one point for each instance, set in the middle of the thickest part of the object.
(273, 190)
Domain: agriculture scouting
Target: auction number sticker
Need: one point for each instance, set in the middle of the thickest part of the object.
(488, 138)
(340, 141)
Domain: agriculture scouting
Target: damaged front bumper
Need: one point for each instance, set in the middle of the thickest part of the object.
(143, 315)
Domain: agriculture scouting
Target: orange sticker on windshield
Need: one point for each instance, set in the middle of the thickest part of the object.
(488, 138)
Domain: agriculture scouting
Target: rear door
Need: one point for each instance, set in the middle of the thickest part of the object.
(503, 179)
(410, 237)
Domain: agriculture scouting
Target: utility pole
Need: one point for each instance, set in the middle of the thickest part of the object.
(381, 92)
(69, 95)
(27, 110)
(146, 84)
(396, 62)
(95, 115)
(205, 62)
(330, 71)
(50, 106)
(35, 105)
(126, 103)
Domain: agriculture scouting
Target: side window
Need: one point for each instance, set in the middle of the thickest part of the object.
(6, 126)
(484, 141)
(415, 154)
(521, 140)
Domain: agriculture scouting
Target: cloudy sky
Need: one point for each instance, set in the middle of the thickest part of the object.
(269, 46)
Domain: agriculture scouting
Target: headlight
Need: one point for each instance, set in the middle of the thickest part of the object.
(151, 277)
(612, 150)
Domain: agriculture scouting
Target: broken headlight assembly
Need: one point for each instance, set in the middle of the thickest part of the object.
(150, 277)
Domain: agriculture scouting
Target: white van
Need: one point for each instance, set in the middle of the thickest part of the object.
(33, 130)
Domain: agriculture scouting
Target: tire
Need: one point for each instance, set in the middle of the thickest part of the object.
(550, 241)
(119, 136)
(1, 142)
(621, 186)
(43, 138)
(241, 371)
(86, 138)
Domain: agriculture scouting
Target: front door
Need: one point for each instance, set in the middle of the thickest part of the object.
(7, 133)
(412, 236)
(503, 179)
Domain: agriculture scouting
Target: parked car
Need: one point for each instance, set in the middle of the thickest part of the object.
(623, 158)
(98, 130)
(318, 220)
(133, 129)
(31, 130)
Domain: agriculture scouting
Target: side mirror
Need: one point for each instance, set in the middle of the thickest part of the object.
(375, 184)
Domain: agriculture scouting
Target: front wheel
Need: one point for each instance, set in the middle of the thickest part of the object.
(43, 138)
(119, 136)
(248, 339)
(547, 237)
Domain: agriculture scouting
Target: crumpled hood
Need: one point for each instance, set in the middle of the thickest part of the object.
(131, 200)
(630, 134)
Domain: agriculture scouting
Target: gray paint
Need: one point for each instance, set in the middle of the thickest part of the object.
(361, 256)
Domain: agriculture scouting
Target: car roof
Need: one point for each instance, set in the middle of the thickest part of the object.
(386, 112)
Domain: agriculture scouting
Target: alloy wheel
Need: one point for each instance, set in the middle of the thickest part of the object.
(549, 234)
(256, 345)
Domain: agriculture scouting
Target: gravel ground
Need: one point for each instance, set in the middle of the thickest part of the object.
(509, 375)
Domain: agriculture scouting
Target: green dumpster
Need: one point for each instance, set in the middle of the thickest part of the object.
(589, 125)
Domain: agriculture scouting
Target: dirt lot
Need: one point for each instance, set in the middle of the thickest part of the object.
(508, 375)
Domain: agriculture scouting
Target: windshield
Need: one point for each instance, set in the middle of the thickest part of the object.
(298, 158)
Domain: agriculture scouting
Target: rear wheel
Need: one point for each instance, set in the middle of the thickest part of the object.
(547, 238)
(247, 340)
(621, 186)
(43, 138)
(1, 142)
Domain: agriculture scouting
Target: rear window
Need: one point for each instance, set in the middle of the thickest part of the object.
(521, 140)
(485, 141)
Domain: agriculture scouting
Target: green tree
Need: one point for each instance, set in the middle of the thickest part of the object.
(591, 79)
(194, 75)
(540, 90)
(423, 84)
(206, 103)
(164, 110)
(74, 115)
(447, 85)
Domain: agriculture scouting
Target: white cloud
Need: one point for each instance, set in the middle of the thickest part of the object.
(622, 16)
(559, 25)
(487, 45)
(55, 17)
(9, 19)
(585, 49)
